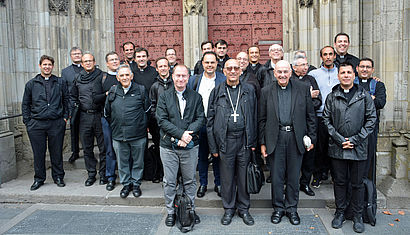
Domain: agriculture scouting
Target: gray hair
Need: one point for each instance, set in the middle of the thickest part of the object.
(281, 47)
(122, 66)
(300, 52)
(75, 49)
(297, 57)
(89, 53)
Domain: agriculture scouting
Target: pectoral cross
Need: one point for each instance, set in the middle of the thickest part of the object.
(234, 115)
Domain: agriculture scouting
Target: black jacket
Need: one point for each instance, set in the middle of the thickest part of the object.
(219, 110)
(169, 117)
(249, 77)
(347, 58)
(157, 89)
(254, 69)
(145, 76)
(311, 82)
(302, 113)
(198, 69)
(380, 95)
(69, 73)
(354, 120)
(221, 63)
(127, 113)
(87, 90)
(265, 75)
(35, 104)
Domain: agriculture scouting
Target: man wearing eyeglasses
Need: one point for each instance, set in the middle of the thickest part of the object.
(266, 75)
(377, 91)
(232, 135)
(286, 119)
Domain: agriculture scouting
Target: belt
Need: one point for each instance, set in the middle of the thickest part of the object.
(286, 128)
(91, 111)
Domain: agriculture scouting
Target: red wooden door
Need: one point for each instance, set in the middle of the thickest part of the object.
(153, 24)
(243, 23)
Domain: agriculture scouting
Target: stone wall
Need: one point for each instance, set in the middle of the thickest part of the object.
(31, 28)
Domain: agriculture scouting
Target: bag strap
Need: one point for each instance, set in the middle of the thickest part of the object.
(372, 86)
(103, 78)
(196, 82)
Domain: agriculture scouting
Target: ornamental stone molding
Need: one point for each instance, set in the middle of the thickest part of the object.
(85, 8)
(2, 3)
(305, 3)
(58, 6)
(193, 7)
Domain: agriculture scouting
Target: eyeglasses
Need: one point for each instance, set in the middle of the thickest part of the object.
(235, 68)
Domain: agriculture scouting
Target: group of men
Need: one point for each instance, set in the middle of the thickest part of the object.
(303, 121)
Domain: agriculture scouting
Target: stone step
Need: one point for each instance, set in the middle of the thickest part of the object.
(18, 191)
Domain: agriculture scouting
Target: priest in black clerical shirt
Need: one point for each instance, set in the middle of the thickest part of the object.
(232, 135)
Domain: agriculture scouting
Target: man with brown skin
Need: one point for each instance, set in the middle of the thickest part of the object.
(45, 113)
(205, 47)
(232, 135)
(88, 94)
(68, 74)
(326, 79)
(266, 75)
(286, 118)
(350, 117)
(254, 56)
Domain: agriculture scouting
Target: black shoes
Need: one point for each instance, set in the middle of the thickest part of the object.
(201, 191)
(170, 220)
(156, 180)
(338, 221)
(125, 191)
(73, 157)
(306, 189)
(90, 181)
(59, 182)
(247, 219)
(227, 218)
(110, 185)
(217, 190)
(293, 217)
(103, 180)
(316, 183)
(358, 225)
(277, 217)
(197, 220)
(269, 179)
(36, 185)
(136, 191)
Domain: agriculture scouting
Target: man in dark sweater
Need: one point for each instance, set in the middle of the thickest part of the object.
(342, 43)
(45, 113)
(88, 94)
(68, 74)
(109, 79)
(128, 48)
(221, 50)
(145, 74)
(254, 56)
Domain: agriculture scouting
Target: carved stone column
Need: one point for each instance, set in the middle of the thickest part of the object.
(195, 23)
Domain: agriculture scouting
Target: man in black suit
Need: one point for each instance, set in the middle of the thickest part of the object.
(69, 74)
(286, 116)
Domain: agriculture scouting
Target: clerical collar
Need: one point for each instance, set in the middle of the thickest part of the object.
(346, 90)
(78, 65)
(233, 87)
(364, 80)
(112, 73)
(342, 56)
(300, 77)
(253, 65)
(221, 59)
(46, 78)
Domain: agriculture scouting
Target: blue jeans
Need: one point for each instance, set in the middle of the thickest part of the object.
(110, 159)
(203, 154)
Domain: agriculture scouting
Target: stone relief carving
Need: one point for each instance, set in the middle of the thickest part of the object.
(193, 7)
(305, 3)
(58, 6)
(84, 7)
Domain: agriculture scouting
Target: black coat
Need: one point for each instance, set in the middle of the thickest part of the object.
(145, 76)
(88, 90)
(127, 113)
(302, 113)
(157, 89)
(249, 77)
(169, 117)
(265, 75)
(219, 110)
(35, 104)
(69, 73)
(311, 82)
(354, 120)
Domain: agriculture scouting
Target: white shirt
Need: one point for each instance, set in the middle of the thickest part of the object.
(126, 89)
(205, 88)
(182, 103)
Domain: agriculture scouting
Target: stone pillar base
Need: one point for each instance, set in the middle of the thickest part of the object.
(8, 168)
(397, 192)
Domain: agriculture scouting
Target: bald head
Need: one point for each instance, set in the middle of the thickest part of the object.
(243, 59)
(282, 72)
(232, 72)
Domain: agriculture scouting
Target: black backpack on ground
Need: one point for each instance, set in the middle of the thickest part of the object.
(183, 207)
(150, 163)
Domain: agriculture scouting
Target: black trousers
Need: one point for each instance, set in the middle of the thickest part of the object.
(41, 134)
(154, 130)
(75, 137)
(341, 171)
(233, 166)
(285, 163)
(308, 165)
(90, 127)
(322, 159)
(371, 154)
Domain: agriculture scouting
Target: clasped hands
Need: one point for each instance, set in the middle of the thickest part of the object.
(347, 144)
(185, 139)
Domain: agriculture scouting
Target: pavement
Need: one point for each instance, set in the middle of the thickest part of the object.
(76, 209)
